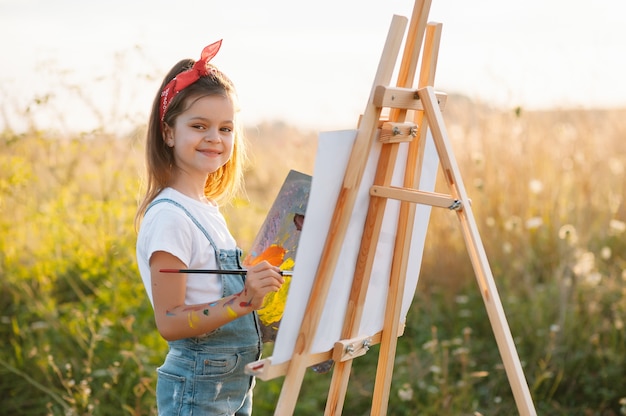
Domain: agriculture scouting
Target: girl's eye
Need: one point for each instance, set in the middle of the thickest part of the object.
(227, 129)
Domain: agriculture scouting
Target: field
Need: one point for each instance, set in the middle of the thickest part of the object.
(547, 189)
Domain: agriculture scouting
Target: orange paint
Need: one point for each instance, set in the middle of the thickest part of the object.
(274, 255)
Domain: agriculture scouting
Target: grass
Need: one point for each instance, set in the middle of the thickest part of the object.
(547, 191)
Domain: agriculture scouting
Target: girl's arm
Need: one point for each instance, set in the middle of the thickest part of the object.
(175, 320)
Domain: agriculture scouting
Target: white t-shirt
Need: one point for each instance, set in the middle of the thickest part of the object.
(166, 227)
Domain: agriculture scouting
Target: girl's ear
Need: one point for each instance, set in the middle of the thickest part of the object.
(168, 136)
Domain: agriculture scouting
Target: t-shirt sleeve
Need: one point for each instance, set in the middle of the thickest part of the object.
(171, 232)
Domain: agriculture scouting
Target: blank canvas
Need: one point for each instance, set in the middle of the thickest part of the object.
(333, 152)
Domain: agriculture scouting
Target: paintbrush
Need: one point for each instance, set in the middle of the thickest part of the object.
(217, 271)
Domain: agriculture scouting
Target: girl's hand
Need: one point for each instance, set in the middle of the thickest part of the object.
(261, 279)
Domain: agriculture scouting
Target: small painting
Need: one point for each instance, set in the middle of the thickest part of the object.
(277, 242)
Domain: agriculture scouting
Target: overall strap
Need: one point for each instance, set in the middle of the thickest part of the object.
(195, 221)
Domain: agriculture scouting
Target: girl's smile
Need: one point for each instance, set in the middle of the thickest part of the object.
(202, 138)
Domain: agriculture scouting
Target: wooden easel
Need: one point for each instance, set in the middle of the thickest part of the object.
(425, 105)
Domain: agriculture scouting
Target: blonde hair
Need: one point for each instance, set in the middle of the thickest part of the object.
(220, 185)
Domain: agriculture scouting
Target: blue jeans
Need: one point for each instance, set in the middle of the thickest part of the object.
(205, 381)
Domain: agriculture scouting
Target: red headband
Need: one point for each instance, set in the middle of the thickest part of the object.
(185, 79)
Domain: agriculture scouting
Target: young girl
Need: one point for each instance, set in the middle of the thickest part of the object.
(194, 160)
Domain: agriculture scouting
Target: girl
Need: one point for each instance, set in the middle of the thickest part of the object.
(194, 155)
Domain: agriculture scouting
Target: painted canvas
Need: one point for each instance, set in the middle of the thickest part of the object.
(277, 242)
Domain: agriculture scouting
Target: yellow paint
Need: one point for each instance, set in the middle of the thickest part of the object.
(231, 312)
(288, 264)
(192, 319)
(274, 303)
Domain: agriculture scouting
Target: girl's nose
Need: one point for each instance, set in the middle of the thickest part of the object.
(212, 135)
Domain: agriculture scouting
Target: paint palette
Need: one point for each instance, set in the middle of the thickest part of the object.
(277, 242)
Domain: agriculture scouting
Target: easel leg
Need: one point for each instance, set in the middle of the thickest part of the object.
(478, 257)
(338, 388)
(406, 220)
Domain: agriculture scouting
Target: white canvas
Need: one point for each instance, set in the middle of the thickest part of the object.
(332, 157)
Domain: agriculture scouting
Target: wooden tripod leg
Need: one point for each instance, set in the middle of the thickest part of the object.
(339, 224)
(412, 48)
(406, 221)
(375, 214)
(362, 274)
(478, 257)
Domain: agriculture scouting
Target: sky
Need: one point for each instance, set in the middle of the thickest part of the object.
(78, 64)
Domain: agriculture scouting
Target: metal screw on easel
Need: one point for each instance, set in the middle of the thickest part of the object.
(456, 205)
(366, 344)
(350, 349)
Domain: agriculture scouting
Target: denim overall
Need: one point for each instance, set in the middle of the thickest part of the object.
(205, 375)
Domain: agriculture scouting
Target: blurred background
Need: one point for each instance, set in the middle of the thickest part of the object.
(537, 116)
(310, 64)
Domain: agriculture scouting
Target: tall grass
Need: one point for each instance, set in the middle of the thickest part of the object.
(547, 190)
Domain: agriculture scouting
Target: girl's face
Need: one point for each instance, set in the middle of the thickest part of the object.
(203, 136)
